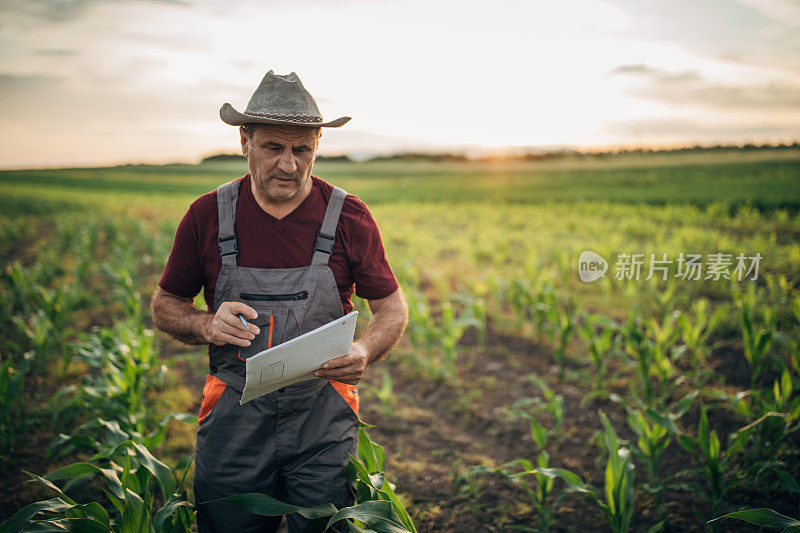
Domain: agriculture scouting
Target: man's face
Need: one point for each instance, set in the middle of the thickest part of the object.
(280, 159)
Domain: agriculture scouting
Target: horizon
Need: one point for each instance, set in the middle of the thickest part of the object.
(494, 156)
(97, 83)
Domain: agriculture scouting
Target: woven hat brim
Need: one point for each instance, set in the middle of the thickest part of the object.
(229, 115)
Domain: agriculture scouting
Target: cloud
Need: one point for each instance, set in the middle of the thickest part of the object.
(751, 32)
(637, 69)
(14, 84)
(691, 88)
(784, 11)
(659, 75)
(664, 129)
(60, 10)
(57, 52)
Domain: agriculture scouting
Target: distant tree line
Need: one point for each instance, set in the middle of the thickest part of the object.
(537, 156)
(225, 158)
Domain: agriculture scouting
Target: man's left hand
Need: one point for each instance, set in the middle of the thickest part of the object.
(347, 368)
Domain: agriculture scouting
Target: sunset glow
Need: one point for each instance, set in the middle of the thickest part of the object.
(93, 82)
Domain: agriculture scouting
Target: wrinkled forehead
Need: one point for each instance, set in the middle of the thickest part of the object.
(285, 134)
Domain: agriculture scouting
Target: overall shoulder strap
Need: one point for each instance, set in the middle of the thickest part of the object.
(327, 233)
(227, 195)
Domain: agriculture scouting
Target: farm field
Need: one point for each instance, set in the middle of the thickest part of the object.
(520, 396)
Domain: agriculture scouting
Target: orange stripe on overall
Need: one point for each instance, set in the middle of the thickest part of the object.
(348, 392)
(212, 390)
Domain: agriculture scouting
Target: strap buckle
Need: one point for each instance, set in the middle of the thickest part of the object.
(228, 246)
(324, 243)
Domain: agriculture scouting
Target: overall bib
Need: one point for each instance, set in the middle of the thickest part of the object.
(291, 444)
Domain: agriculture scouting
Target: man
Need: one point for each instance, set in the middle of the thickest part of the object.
(285, 250)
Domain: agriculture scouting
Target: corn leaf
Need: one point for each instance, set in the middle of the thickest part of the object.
(264, 505)
(762, 517)
(21, 518)
(377, 515)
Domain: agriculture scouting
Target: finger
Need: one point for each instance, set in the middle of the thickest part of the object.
(235, 332)
(338, 362)
(238, 307)
(354, 380)
(350, 379)
(235, 322)
(224, 338)
(336, 372)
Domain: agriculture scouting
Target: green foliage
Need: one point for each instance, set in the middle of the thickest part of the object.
(766, 518)
(435, 335)
(602, 338)
(540, 488)
(619, 481)
(757, 334)
(368, 478)
(140, 495)
(695, 331)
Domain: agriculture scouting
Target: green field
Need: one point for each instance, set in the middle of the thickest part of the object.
(508, 355)
(765, 179)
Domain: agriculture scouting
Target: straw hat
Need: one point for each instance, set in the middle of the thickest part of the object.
(279, 99)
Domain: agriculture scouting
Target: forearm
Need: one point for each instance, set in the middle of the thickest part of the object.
(384, 330)
(180, 318)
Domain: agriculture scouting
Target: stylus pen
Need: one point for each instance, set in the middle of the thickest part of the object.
(241, 317)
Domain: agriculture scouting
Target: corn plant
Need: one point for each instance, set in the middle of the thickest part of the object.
(706, 450)
(779, 401)
(653, 440)
(640, 350)
(663, 296)
(12, 407)
(366, 473)
(541, 490)
(550, 403)
(561, 327)
(757, 335)
(421, 330)
(451, 329)
(766, 518)
(619, 485)
(127, 367)
(519, 296)
(132, 477)
(618, 490)
(695, 331)
(602, 339)
(437, 338)
(664, 335)
(99, 436)
(529, 303)
(386, 394)
(777, 413)
(475, 314)
(789, 342)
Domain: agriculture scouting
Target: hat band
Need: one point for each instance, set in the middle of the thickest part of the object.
(288, 118)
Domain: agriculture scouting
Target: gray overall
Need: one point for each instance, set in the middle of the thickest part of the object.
(291, 444)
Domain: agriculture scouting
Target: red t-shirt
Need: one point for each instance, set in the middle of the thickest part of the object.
(358, 260)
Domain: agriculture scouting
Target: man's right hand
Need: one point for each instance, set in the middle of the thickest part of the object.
(225, 327)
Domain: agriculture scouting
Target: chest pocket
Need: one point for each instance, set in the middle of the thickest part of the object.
(280, 318)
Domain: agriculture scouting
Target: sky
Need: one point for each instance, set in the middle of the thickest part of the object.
(94, 82)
